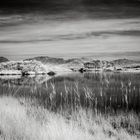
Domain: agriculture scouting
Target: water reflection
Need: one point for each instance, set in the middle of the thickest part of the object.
(103, 92)
(18, 80)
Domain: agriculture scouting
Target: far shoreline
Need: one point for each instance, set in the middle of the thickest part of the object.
(56, 66)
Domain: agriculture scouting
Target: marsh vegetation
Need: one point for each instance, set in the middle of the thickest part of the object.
(75, 106)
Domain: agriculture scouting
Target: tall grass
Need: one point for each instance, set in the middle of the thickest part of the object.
(46, 112)
(25, 122)
(104, 94)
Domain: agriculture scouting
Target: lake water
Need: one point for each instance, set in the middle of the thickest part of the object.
(105, 92)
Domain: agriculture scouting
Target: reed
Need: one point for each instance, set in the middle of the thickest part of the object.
(21, 120)
(76, 112)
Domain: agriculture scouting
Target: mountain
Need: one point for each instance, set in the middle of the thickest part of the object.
(51, 60)
(81, 61)
(3, 59)
(46, 59)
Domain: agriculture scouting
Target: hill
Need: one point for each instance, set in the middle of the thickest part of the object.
(3, 59)
(124, 62)
(50, 65)
(46, 60)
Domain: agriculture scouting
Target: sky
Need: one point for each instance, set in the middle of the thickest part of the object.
(18, 2)
(99, 28)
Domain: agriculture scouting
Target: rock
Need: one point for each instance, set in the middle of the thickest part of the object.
(82, 70)
(51, 73)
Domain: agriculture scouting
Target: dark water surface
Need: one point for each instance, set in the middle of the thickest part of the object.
(105, 92)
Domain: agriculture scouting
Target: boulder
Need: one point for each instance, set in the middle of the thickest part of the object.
(82, 70)
(51, 73)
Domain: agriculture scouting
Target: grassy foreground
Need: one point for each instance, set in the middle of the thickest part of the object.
(21, 120)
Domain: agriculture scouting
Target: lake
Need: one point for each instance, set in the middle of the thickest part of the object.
(102, 92)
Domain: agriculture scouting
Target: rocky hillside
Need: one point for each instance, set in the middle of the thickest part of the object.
(77, 63)
(3, 59)
(124, 62)
(52, 66)
(23, 67)
(119, 65)
(31, 67)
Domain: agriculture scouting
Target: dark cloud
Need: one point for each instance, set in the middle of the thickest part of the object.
(55, 6)
(63, 2)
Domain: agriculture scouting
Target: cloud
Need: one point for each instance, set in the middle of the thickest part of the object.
(103, 34)
(65, 2)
